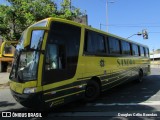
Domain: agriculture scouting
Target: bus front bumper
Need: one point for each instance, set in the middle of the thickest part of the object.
(33, 100)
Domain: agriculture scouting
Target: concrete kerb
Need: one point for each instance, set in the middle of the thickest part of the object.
(155, 65)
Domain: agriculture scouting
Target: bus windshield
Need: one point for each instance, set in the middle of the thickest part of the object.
(25, 64)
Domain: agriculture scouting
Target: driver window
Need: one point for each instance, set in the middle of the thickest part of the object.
(54, 57)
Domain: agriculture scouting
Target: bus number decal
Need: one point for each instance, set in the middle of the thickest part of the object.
(102, 63)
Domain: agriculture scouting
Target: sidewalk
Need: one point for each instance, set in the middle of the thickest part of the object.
(4, 78)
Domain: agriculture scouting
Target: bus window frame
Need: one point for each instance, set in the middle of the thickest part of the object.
(120, 49)
(136, 55)
(85, 53)
(27, 41)
(142, 54)
(147, 53)
(107, 51)
(123, 54)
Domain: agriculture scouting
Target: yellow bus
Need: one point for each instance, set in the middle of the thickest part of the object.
(58, 61)
(6, 55)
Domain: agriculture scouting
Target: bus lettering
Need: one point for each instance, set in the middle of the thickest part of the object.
(125, 62)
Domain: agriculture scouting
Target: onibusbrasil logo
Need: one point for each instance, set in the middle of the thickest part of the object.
(16, 114)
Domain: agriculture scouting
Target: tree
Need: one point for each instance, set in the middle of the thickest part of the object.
(68, 11)
(4, 27)
(20, 14)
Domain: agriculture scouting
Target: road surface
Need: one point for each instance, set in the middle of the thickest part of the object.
(129, 101)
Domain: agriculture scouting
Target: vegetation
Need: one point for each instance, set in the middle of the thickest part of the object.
(20, 14)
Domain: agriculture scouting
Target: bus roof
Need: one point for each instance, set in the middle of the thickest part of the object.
(89, 28)
(113, 35)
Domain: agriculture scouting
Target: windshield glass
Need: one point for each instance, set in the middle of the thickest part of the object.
(36, 39)
(19, 47)
(25, 65)
(28, 63)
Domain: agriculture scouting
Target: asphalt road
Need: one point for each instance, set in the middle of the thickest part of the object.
(130, 101)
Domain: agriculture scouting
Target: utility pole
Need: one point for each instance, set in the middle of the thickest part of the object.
(107, 15)
(107, 2)
(70, 4)
(153, 55)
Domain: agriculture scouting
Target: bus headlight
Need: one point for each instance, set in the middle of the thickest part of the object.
(29, 90)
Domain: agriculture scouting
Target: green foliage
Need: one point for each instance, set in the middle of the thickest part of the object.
(4, 27)
(20, 14)
(68, 11)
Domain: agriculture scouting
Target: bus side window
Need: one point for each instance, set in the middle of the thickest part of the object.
(135, 50)
(147, 52)
(114, 45)
(126, 48)
(89, 42)
(94, 43)
(100, 44)
(142, 52)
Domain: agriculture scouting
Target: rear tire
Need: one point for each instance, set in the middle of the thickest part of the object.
(92, 91)
(140, 77)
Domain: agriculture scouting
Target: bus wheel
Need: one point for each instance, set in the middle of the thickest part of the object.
(92, 91)
(140, 76)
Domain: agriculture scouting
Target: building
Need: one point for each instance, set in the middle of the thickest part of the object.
(82, 19)
(155, 57)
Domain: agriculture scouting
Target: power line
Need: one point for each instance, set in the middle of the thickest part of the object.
(154, 32)
(118, 25)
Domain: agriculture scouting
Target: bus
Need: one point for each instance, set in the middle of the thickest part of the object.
(58, 61)
(6, 55)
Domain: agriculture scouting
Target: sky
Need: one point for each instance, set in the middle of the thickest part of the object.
(125, 18)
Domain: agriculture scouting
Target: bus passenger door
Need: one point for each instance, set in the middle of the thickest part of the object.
(55, 64)
(58, 74)
(61, 58)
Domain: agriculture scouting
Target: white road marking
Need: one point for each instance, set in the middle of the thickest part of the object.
(88, 114)
(109, 113)
(103, 114)
(149, 103)
(156, 95)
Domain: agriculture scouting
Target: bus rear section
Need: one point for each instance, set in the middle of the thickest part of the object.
(111, 60)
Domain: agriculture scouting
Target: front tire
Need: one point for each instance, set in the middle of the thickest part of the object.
(92, 91)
